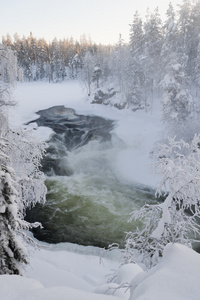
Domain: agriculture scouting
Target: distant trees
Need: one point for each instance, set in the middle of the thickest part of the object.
(135, 70)
(50, 61)
(21, 181)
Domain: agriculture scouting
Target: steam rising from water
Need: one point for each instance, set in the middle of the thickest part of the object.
(86, 202)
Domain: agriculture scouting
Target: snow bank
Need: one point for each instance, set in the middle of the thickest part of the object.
(176, 277)
(56, 275)
(19, 288)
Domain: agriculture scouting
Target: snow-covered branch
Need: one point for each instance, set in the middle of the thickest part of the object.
(176, 219)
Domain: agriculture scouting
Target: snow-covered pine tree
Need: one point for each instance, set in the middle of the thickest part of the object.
(135, 66)
(195, 72)
(119, 64)
(197, 67)
(87, 70)
(20, 189)
(12, 253)
(27, 63)
(97, 74)
(74, 65)
(57, 62)
(178, 104)
(153, 40)
(193, 40)
(104, 58)
(170, 42)
(188, 28)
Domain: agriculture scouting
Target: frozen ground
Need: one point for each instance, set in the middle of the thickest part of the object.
(73, 272)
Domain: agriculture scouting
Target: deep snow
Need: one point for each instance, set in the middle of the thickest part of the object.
(67, 271)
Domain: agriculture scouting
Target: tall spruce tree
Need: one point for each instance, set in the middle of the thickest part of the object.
(135, 67)
(13, 253)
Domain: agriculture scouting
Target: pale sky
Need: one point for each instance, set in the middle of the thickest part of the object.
(102, 20)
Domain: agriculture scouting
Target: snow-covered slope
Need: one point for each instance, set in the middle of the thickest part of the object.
(61, 274)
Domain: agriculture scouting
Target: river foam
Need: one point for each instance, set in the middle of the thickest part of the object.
(86, 201)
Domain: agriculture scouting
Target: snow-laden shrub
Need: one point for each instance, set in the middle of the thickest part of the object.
(21, 186)
(176, 219)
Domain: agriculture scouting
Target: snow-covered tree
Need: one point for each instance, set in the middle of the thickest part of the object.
(57, 61)
(21, 181)
(74, 64)
(9, 72)
(42, 60)
(152, 46)
(12, 252)
(119, 63)
(178, 104)
(170, 43)
(88, 70)
(176, 220)
(187, 45)
(197, 66)
(135, 79)
(25, 153)
(21, 187)
(136, 35)
(97, 74)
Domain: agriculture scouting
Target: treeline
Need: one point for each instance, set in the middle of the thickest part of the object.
(160, 59)
(51, 61)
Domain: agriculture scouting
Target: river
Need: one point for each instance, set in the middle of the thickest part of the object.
(87, 203)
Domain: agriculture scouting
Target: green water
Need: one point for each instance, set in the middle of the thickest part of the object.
(85, 213)
(89, 204)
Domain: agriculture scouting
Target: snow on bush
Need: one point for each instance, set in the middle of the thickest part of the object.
(176, 219)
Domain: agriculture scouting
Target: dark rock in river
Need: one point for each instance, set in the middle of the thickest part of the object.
(100, 96)
(59, 111)
(70, 132)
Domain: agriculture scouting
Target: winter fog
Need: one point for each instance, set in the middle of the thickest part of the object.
(100, 160)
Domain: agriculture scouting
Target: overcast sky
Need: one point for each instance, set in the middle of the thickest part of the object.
(102, 20)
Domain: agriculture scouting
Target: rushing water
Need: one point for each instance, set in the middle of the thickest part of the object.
(86, 202)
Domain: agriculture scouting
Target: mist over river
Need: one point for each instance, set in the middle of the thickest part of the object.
(87, 202)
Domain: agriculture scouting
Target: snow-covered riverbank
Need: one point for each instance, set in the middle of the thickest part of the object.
(138, 130)
(62, 274)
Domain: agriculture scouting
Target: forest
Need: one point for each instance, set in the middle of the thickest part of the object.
(161, 62)
(162, 59)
